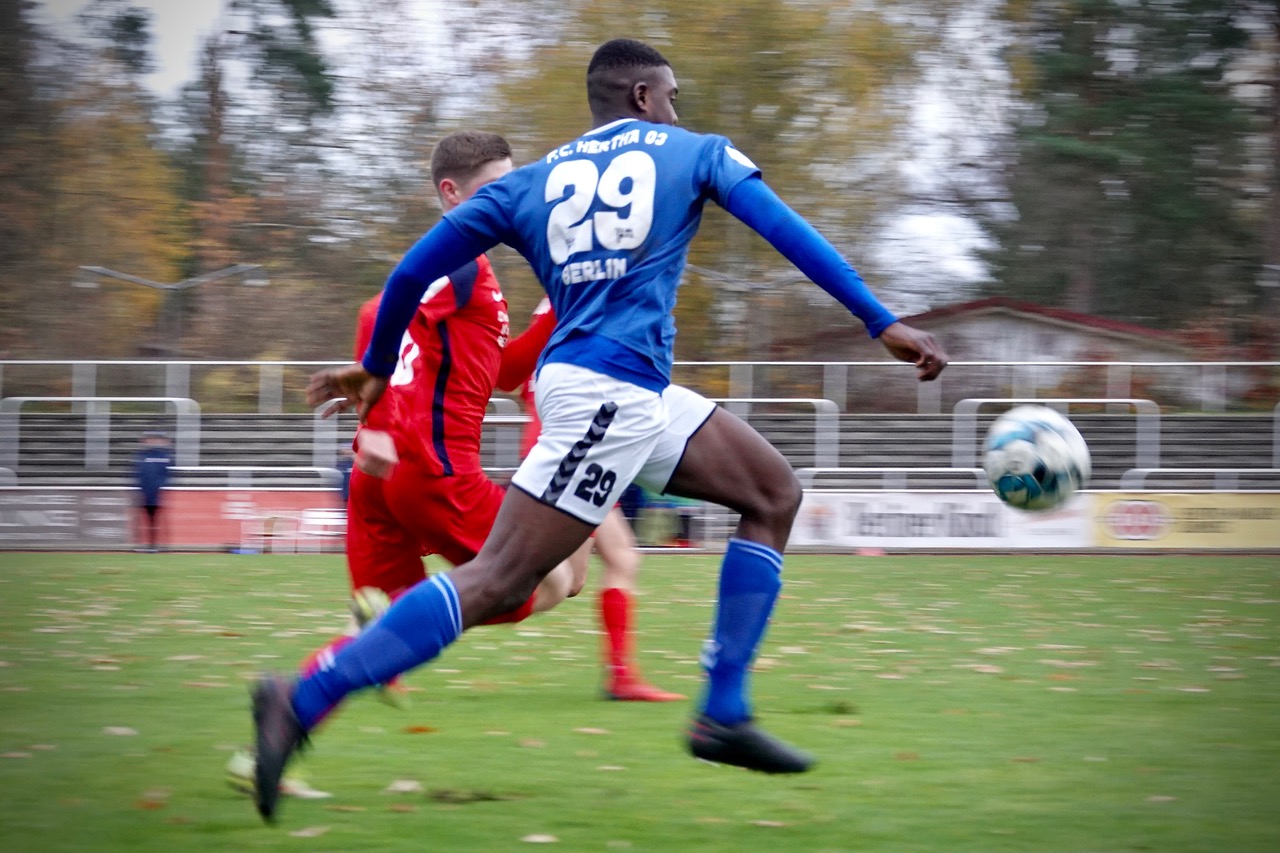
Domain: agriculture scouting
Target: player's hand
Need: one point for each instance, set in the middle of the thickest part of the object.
(376, 455)
(920, 348)
(349, 385)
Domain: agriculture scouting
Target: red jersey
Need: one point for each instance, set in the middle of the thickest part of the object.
(451, 359)
(541, 314)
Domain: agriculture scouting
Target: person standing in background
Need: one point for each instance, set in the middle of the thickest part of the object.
(151, 473)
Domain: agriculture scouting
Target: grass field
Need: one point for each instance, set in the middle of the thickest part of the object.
(987, 704)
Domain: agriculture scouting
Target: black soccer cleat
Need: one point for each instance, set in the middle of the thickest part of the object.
(744, 745)
(279, 736)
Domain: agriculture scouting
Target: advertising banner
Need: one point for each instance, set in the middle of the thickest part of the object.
(65, 518)
(250, 519)
(887, 519)
(1212, 520)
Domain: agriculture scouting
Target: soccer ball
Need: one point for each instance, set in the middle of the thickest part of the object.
(1035, 458)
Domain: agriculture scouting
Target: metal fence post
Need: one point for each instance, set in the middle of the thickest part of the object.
(1119, 381)
(835, 384)
(740, 381)
(270, 389)
(177, 379)
(97, 437)
(324, 439)
(84, 379)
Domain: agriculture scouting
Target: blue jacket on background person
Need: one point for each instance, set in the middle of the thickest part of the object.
(151, 467)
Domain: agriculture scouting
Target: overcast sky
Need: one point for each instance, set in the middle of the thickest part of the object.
(176, 25)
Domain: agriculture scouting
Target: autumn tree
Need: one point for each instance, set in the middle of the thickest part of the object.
(1130, 190)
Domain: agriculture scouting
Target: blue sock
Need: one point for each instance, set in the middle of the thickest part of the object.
(750, 578)
(415, 629)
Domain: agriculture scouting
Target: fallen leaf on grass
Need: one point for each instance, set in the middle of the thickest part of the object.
(300, 789)
(310, 832)
(420, 730)
(450, 795)
(591, 731)
(346, 808)
(404, 808)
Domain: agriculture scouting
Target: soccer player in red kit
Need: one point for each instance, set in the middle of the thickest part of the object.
(418, 487)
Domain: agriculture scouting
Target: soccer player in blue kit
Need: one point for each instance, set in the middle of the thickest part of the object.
(605, 221)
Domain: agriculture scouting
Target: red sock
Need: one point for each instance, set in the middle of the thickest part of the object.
(615, 615)
(521, 613)
(311, 662)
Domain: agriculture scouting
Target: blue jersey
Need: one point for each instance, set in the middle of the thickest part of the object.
(605, 221)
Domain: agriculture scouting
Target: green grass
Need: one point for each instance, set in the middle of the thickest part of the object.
(986, 704)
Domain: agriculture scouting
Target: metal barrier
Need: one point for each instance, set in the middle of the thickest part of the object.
(965, 426)
(241, 476)
(826, 423)
(506, 442)
(506, 447)
(97, 434)
(892, 478)
(1213, 386)
(1275, 436)
(1224, 479)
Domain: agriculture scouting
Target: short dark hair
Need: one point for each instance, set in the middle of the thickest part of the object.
(610, 74)
(624, 53)
(459, 156)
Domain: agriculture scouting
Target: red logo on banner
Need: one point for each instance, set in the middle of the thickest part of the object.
(1137, 520)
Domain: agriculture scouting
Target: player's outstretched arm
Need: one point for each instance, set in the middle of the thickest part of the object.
(442, 250)
(347, 386)
(753, 202)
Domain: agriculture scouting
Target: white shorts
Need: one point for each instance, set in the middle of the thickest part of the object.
(599, 434)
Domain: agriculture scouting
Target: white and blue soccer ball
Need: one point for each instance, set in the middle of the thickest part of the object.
(1035, 458)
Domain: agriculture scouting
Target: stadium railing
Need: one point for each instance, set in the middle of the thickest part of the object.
(891, 479)
(97, 435)
(1275, 436)
(964, 429)
(241, 476)
(1211, 386)
(1223, 479)
(826, 422)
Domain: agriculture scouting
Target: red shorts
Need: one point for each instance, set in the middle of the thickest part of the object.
(392, 524)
